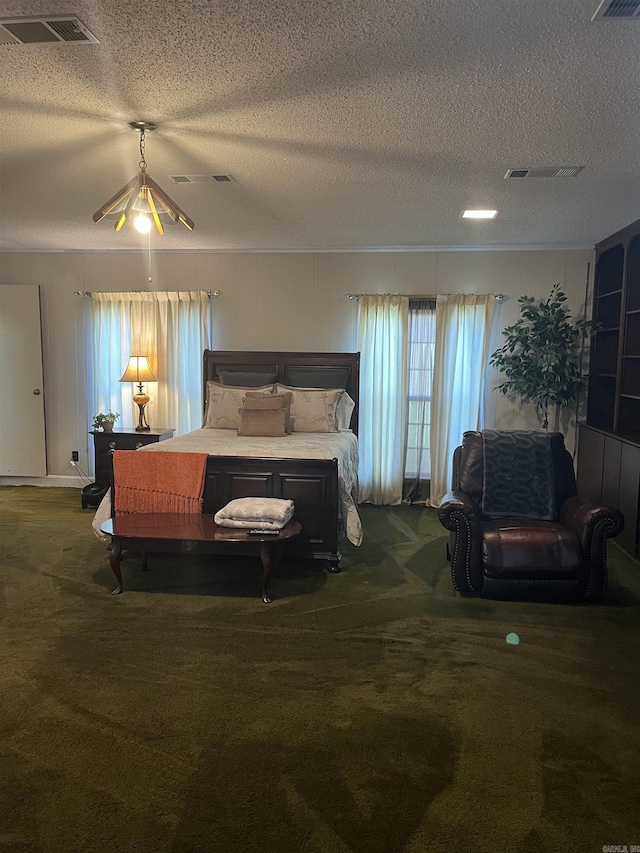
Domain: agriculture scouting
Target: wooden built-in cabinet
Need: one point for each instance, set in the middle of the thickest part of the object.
(609, 473)
(609, 442)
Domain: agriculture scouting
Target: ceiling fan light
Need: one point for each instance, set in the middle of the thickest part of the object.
(142, 196)
(142, 223)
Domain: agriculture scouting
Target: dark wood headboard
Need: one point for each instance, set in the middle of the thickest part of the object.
(288, 367)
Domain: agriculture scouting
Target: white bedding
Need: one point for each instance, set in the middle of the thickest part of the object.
(342, 445)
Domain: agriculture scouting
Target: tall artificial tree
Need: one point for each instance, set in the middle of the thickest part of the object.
(541, 355)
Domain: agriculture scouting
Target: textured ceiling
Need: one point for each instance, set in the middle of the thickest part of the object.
(346, 124)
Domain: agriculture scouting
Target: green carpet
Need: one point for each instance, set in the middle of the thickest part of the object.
(373, 711)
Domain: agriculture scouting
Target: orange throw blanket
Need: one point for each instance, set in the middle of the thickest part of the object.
(158, 482)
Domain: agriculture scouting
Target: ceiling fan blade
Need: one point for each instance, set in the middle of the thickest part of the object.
(175, 212)
(115, 200)
(133, 195)
(154, 211)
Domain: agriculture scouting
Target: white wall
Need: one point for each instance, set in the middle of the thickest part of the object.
(269, 301)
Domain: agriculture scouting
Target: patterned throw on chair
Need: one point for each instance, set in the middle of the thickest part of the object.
(518, 474)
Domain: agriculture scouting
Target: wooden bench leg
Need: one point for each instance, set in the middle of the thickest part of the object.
(266, 555)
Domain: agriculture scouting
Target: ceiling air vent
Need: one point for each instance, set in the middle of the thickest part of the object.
(617, 9)
(201, 179)
(552, 172)
(48, 30)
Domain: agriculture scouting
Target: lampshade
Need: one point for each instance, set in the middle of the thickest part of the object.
(138, 370)
(142, 199)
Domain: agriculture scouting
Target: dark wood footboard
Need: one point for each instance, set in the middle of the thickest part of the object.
(312, 484)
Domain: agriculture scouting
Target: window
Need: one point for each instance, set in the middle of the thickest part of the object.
(422, 339)
(172, 329)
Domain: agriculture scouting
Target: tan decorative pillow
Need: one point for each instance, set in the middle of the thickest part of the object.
(266, 422)
(314, 409)
(271, 401)
(223, 402)
(267, 401)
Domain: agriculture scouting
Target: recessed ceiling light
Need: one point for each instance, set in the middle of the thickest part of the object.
(480, 214)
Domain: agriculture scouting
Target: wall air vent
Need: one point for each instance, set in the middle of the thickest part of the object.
(552, 172)
(610, 10)
(59, 29)
(201, 179)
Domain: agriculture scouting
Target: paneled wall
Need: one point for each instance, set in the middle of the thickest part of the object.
(270, 301)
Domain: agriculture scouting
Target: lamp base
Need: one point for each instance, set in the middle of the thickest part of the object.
(143, 425)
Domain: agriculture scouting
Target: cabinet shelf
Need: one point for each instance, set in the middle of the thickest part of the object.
(609, 446)
(633, 437)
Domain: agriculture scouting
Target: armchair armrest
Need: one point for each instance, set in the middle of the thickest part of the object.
(459, 514)
(593, 524)
(455, 502)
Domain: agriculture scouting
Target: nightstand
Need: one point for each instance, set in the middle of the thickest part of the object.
(104, 443)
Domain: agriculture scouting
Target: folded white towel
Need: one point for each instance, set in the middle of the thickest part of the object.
(269, 513)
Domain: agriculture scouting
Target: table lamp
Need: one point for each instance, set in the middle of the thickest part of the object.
(138, 371)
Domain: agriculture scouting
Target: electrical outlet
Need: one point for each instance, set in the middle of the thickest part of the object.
(74, 456)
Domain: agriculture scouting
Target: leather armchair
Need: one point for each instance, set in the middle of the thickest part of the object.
(519, 558)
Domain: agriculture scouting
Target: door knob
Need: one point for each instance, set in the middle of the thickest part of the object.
(37, 391)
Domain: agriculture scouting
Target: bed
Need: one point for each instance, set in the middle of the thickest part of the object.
(317, 470)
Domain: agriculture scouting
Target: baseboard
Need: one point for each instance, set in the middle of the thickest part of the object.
(58, 480)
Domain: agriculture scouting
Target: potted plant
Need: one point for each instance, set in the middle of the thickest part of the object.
(105, 421)
(541, 356)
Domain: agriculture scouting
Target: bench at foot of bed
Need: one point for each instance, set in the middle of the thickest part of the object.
(193, 534)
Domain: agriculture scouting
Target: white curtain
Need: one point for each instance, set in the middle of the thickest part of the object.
(383, 324)
(463, 331)
(172, 329)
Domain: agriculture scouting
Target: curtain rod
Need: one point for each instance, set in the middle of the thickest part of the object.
(498, 296)
(210, 293)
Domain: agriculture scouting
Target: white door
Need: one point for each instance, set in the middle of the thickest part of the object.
(22, 437)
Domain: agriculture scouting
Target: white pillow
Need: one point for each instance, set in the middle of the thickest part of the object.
(344, 411)
(314, 409)
(223, 402)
